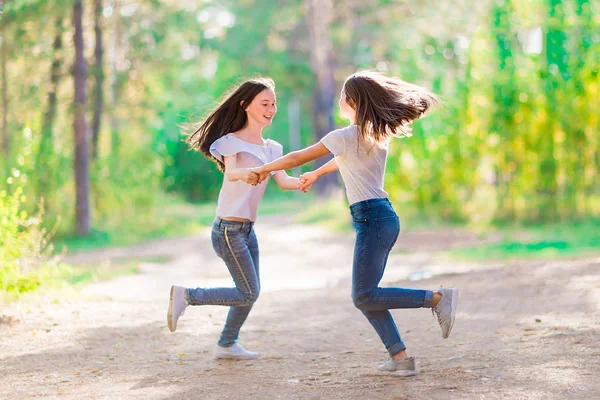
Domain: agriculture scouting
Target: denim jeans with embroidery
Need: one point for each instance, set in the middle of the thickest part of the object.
(377, 228)
(235, 243)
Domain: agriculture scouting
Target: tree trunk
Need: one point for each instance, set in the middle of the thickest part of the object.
(556, 67)
(319, 14)
(506, 96)
(99, 75)
(81, 164)
(114, 81)
(3, 60)
(47, 141)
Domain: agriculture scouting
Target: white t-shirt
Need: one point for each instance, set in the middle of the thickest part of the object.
(239, 199)
(361, 163)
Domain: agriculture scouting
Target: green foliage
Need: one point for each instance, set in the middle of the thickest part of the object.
(26, 260)
(515, 141)
(168, 217)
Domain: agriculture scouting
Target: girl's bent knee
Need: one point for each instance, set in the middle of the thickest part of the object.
(361, 301)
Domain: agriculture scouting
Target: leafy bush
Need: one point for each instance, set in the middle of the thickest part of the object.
(26, 260)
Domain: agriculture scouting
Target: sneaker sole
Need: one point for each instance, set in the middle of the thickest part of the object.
(234, 358)
(403, 374)
(170, 322)
(453, 313)
(406, 374)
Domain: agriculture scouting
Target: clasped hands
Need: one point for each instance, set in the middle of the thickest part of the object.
(255, 176)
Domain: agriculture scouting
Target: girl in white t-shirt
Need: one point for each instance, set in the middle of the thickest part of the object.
(379, 108)
(232, 137)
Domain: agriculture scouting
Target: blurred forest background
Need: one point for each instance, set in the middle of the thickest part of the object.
(93, 93)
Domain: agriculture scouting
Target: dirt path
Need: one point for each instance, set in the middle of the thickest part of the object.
(528, 330)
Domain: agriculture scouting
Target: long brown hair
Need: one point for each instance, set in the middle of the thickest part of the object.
(385, 106)
(229, 116)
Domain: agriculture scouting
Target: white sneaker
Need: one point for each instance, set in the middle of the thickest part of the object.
(406, 367)
(177, 306)
(235, 352)
(446, 310)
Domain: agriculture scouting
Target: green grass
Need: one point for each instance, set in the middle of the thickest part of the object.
(559, 240)
(332, 213)
(86, 273)
(170, 220)
(95, 273)
(172, 217)
(175, 218)
(283, 203)
(65, 280)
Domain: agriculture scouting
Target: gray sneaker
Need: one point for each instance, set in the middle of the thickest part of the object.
(445, 310)
(405, 367)
(235, 352)
(177, 306)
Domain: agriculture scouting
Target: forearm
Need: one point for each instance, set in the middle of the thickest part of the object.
(289, 183)
(289, 161)
(235, 174)
(331, 166)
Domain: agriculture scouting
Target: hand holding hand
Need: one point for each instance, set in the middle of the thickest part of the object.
(304, 189)
(251, 177)
(262, 175)
(307, 180)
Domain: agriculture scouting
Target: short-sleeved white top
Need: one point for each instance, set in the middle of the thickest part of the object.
(239, 199)
(361, 164)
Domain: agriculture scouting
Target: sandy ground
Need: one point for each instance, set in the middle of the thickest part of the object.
(524, 330)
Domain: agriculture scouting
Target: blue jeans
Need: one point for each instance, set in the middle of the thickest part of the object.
(377, 228)
(235, 243)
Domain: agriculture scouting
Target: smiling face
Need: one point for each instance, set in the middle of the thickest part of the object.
(263, 108)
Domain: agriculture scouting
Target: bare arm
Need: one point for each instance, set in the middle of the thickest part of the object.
(330, 167)
(286, 182)
(296, 158)
(233, 174)
(307, 179)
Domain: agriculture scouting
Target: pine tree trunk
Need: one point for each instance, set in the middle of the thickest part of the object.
(556, 71)
(81, 163)
(319, 15)
(505, 96)
(3, 61)
(99, 75)
(46, 149)
(114, 82)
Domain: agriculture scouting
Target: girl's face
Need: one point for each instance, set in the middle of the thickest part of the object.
(263, 107)
(346, 111)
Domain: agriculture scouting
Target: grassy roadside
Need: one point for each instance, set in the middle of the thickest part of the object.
(171, 218)
(557, 240)
(175, 218)
(86, 273)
